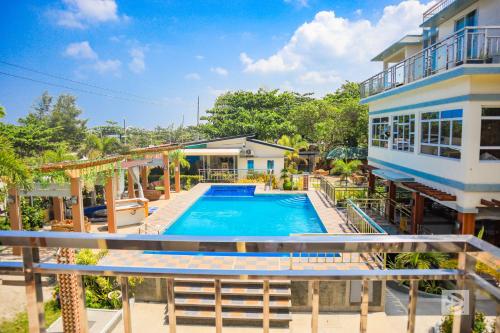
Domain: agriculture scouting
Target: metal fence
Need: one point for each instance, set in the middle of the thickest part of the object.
(471, 45)
(232, 175)
(469, 249)
(360, 221)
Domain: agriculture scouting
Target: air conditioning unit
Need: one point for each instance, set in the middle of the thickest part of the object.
(246, 152)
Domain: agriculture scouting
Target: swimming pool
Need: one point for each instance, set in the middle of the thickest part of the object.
(237, 211)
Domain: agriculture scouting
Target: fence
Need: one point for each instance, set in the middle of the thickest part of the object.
(469, 249)
(233, 175)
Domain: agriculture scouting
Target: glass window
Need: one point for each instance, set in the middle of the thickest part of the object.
(250, 164)
(490, 134)
(380, 132)
(403, 135)
(441, 133)
(270, 164)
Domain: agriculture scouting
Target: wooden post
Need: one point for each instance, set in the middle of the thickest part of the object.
(130, 187)
(467, 223)
(144, 177)
(59, 209)
(166, 176)
(371, 183)
(417, 215)
(392, 198)
(77, 208)
(15, 215)
(111, 203)
(177, 177)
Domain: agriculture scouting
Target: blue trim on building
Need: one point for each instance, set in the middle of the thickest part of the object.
(445, 181)
(432, 80)
(462, 98)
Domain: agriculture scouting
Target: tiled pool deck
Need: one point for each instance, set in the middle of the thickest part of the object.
(168, 211)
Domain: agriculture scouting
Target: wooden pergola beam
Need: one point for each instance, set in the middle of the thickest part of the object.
(154, 149)
(488, 203)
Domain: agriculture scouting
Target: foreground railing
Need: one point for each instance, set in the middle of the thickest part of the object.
(468, 248)
(471, 45)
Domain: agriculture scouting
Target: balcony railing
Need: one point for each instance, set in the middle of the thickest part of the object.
(469, 249)
(471, 45)
(439, 6)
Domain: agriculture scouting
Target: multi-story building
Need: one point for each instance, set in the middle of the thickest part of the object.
(435, 120)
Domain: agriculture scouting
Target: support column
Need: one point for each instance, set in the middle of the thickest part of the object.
(166, 176)
(467, 223)
(144, 177)
(16, 222)
(59, 209)
(371, 183)
(111, 203)
(417, 215)
(177, 177)
(77, 208)
(130, 185)
(392, 197)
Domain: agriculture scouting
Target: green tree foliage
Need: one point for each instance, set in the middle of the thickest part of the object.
(178, 156)
(346, 169)
(297, 143)
(97, 147)
(263, 113)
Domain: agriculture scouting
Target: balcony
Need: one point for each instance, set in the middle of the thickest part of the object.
(471, 45)
(438, 7)
(468, 249)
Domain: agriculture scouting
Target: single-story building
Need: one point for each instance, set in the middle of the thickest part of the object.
(236, 155)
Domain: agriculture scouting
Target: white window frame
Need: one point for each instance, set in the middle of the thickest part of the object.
(378, 124)
(481, 130)
(395, 129)
(439, 145)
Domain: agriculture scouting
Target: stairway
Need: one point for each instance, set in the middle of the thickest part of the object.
(242, 302)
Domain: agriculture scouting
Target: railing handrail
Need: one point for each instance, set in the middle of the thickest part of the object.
(430, 47)
(365, 217)
(432, 10)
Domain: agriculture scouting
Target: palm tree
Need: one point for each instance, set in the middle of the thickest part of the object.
(60, 154)
(418, 260)
(97, 147)
(178, 157)
(346, 169)
(12, 168)
(297, 143)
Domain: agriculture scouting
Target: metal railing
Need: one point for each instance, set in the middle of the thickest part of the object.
(338, 195)
(359, 220)
(471, 45)
(469, 249)
(439, 6)
(231, 175)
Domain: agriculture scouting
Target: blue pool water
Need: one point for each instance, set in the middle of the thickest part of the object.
(240, 213)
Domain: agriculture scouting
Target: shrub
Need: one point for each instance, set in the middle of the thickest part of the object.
(287, 186)
(480, 324)
(20, 322)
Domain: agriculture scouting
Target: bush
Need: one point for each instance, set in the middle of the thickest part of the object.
(33, 216)
(287, 185)
(20, 322)
(480, 324)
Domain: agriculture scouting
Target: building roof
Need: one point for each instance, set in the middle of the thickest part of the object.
(249, 137)
(198, 142)
(397, 46)
(260, 142)
(212, 151)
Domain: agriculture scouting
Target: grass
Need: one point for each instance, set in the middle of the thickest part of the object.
(20, 322)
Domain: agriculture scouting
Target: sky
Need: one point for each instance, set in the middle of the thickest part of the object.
(148, 61)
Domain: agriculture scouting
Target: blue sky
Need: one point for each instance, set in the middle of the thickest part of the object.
(170, 52)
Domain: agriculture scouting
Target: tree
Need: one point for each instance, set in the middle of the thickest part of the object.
(12, 169)
(97, 147)
(65, 115)
(346, 169)
(263, 113)
(178, 157)
(416, 260)
(297, 143)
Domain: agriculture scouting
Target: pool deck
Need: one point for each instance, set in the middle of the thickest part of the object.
(169, 210)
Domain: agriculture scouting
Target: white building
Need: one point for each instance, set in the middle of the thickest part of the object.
(435, 115)
(236, 155)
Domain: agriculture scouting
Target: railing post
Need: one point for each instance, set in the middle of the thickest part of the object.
(363, 320)
(412, 306)
(315, 307)
(126, 315)
(218, 306)
(171, 305)
(265, 307)
(464, 322)
(34, 294)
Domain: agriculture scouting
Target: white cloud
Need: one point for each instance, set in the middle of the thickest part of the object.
(199, 57)
(331, 49)
(107, 66)
(220, 71)
(192, 76)
(358, 11)
(298, 3)
(81, 13)
(81, 50)
(137, 64)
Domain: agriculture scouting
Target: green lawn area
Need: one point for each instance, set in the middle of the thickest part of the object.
(20, 322)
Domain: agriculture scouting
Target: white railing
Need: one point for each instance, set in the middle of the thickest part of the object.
(233, 175)
(436, 9)
(471, 45)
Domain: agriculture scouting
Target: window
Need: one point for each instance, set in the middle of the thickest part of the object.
(403, 132)
(490, 134)
(250, 164)
(270, 164)
(380, 132)
(441, 133)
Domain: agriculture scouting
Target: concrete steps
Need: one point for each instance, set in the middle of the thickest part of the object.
(242, 302)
